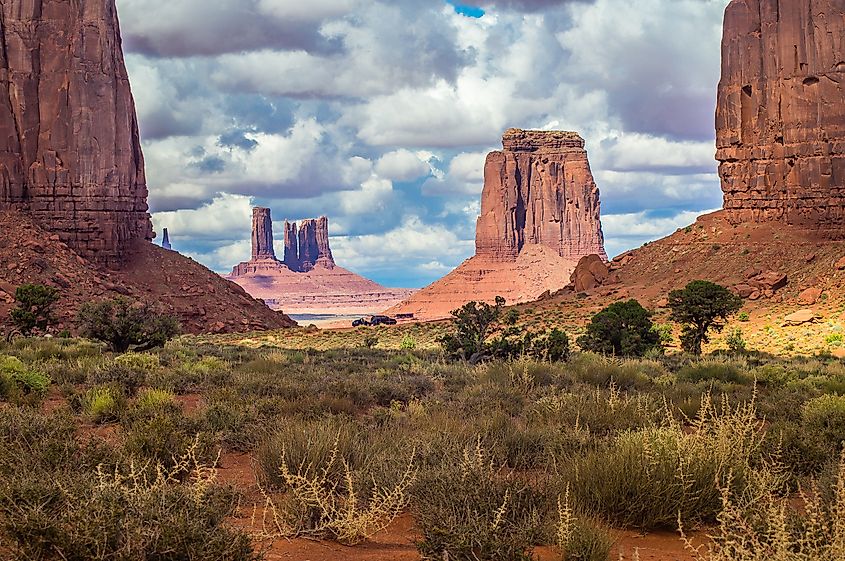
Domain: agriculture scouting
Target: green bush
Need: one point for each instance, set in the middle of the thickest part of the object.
(145, 362)
(18, 380)
(736, 343)
(700, 307)
(118, 375)
(34, 307)
(621, 329)
(125, 325)
(714, 370)
(102, 404)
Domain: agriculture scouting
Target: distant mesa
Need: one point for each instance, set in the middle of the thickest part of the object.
(307, 280)
(780, 122)
(73, 193)
(540, 214)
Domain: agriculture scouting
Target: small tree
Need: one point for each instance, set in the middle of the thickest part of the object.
(34, 308)
(473, 324)
(124, 324)
(621, 329)
(700, 307)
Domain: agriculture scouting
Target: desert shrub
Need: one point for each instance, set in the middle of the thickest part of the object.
(736, 343)
(102, 404)
(122, 514)
(348, 509)
(743, 317)
(467, 510)
(34, 307)
(151, 402)
(144, 362)
(709, 370)
(774, 375)
(408, 343)
(700, 307)
(599, 413)
(118, 375)
(124, 325)
(621, 329)
(18, 381)
(603, 371)
(648, 478)
(473, 323)
(579, 537)
(766, 527)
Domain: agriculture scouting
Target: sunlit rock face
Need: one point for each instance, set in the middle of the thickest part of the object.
(70, 154)
(780, 120)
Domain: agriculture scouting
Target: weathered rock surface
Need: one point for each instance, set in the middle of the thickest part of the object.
(539, 190)
(69, 149)
(539, 217)
(800, 318)
(590, 273)
(781, 112)
(308, 281)
(262, 234)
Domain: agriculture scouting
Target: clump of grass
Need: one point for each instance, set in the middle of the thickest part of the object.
(581, 538)
(766, 527)
(18, 381)
(102, 404)
(468, 510)
(645, 479)
(707, 370)
(144, 362)
(318, 505)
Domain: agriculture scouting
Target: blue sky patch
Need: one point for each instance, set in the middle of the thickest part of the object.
(467, 10)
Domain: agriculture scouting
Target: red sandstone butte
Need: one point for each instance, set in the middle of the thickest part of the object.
(73, 196)
(540, 214)
(70, 155)
(780, 121)
(308, 281)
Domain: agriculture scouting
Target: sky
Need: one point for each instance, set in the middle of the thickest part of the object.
(379, 114)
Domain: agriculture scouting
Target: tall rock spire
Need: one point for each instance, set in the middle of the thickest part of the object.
(539, 190)
(70, 154)
(780, 119)
(165, 240)
(262, 234)
(291, 246)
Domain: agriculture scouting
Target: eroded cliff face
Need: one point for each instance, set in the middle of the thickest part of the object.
(70, 155)
(262, 234)
(539, 190)
(781, 112)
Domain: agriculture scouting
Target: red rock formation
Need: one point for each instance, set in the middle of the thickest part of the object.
(308, 281)
(781, 112)
(69, 149)
(539, 217)
(539, 190)
(590, 273)
(262, 234)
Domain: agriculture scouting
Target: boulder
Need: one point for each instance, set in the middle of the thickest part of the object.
(779, 117)
(768, 282)
(800, 317)
(810, 296)
(840, 265)
(743, 290)
(590, 273)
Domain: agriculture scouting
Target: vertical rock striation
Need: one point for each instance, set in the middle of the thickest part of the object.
(780, 120)
(262, 234)
(70, 154)
(539, 190)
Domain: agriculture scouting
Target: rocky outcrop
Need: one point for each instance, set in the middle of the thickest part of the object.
(313, 245)
(70, 155)
(262, 234)
(539, 190)
(308, 281)
(781, 112)
(539, 216)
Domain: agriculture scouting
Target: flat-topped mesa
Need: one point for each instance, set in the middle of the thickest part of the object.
(780, 120)
(539, 190)
(262, 234)
(70, 154)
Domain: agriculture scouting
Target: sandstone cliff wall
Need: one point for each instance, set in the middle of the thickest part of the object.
(69, 149)
(781, 112)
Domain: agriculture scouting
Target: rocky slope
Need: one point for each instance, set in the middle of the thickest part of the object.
(308, 281)
(204, 303)
(540, 214)
(781, 118)
(73, 196)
